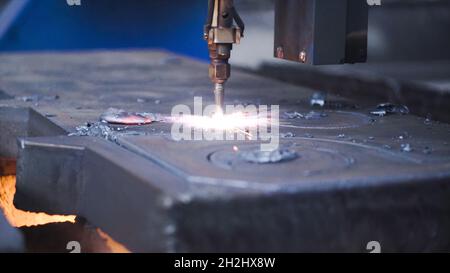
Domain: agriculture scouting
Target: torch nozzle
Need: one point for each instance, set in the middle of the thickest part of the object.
(219, 93)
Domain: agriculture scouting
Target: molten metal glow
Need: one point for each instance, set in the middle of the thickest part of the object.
(114, 246)
(20, 218)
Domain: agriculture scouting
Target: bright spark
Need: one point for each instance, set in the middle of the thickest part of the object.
(228, 122)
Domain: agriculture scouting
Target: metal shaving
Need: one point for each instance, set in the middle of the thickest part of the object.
(99, 129)
(287, 135)
(268, 157)
(406, 148)
(307, 116)
(318, 99)
(293, 115)
(427, 121)
(384, 109)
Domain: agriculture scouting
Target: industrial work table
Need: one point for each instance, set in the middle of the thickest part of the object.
(358, 177)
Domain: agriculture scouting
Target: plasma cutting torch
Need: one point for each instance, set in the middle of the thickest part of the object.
(221, 34)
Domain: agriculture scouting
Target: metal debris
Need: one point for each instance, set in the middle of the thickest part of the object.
(97, 129)
(36, 98)
(307, 116)
(287, 135)
(318, 99)
(406, 148)
(119, 116)
(293, 115)
(384, 109)
(122, 128)
(380, 113)
(100, 129)
(403, 136)
(428, 121)
(267, 157)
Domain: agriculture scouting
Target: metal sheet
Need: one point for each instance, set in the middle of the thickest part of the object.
(351, 184)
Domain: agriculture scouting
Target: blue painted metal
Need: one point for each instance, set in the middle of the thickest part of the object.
(177, 25)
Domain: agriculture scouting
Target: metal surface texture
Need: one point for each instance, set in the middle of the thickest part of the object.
(352, 182)
(11, 240)
(321, 31)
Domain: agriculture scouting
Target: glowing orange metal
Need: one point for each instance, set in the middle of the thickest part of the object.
(20, 218)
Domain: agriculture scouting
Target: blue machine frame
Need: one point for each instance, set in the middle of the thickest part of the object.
(176, 25)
